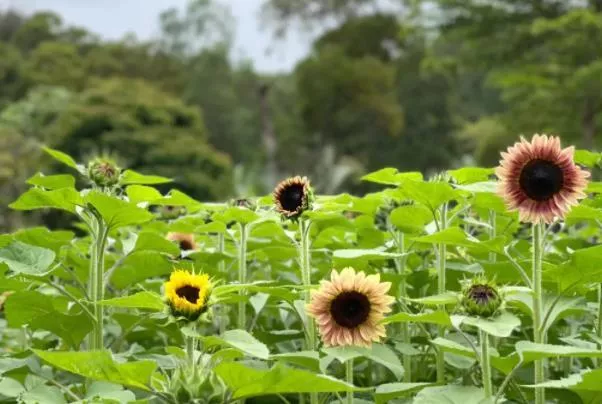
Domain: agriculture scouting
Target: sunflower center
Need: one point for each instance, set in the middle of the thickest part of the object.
(481, 294)
(189, 293)
(291, 197)
(541, 179)
(185, 245)
(350, 309)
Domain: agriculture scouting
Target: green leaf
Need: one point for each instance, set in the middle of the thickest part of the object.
(430, 194)
(109, 391)
(249, 382)
(587, 158)
(130, 177)
(140, 300)
(240, 340)
(99, 365)
(411, 218)
(141, 193)
(386, 392)
(10, 387)
(37, 310)
(581, 213)
(434, 317)
(44, 394)
(154, 242)
(118, 213)
(306, 359)
(499, 326)
(390, 176)
(52, 181)
(354, 257)
(61, 157)
(437, 300)
(529, 351)
(27, 259)
(139, 266)
(42, 237)
(469, 175)
(450, 395)
(236, 214)
(37, 198)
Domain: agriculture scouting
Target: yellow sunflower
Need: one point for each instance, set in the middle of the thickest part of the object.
(187, 294)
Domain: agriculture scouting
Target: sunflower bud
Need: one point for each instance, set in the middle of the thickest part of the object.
(187, 294)
(104, 172)
(293, 196)
(170, 212)
(243, 203)
(481, 298)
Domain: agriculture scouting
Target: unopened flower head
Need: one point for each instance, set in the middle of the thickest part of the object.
(481, 298)
(104, 172)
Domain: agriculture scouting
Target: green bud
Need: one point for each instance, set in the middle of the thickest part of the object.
(104, 172)
(481, 298)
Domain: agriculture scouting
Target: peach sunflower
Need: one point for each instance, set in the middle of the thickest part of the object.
(293, 196)
(184, 240)
(540, 179)
(349, 308)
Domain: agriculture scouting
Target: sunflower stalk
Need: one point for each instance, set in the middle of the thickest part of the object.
(305, 261)
(190, 345)
(538, 332)
(221, 267)
(400, 263)
(492, 233)
(485, 364)
(349, 379)
(242, 276)
(96, 283)
(441, 267)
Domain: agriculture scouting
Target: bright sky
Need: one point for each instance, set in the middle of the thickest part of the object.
(114, 18)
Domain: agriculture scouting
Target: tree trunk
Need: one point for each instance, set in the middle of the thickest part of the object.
(268, 137)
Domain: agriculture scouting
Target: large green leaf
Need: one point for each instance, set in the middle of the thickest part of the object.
(149, 241)
(434, 317)
(140, 300)
(27, 259)
(390, 176)
(117, 213)
(139, 266)
(499, 326)
(36, 198)
(357, 257)
(450, 395)
(469, 175)
(529, 351)
(99, 365)
(306, 359)
(430, 194)
(240, 340)
(249, 382)
(386, 392)
(141, 193)
(52, 181)
(411, 218)
(130, 177)
(42, 237)
(62, 157)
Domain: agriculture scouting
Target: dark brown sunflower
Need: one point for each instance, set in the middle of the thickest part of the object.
(293, 196)
(184, 240)
(540, 179)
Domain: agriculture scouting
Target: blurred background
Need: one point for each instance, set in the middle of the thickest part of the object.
(229, 97)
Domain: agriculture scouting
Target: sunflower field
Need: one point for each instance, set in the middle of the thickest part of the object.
(478, 285)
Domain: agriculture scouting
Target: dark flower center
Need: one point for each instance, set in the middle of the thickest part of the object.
(541, 179)
(185, 245)
(350, 309)
(481, 294)
(291, 197)
(189, 293)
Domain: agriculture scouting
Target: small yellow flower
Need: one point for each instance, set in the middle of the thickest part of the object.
(187, 294)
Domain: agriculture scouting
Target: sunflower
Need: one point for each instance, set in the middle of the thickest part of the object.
(187, 294)
(481, 298)
(184, 240)
(348, 308)
(540, 179)
(293, 196)
(104, 172)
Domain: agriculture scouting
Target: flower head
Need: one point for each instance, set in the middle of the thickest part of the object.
(184, 240)
(243, 203)
(104, 172)
(349, 308)
(187, 294)
(540, 179)
(168, 212)
(481, 298)
(293, 196)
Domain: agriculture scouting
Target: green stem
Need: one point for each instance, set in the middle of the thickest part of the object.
(190, 344)
(305, 261)
(492, 233)
(400, 263)
(349, 379)
(599, 327)
(538, 333)
(96, 286)
(441, 264)
(485, 364)
(242, 276)
(221, 268)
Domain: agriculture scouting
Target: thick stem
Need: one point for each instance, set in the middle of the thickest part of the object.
(242, 276)
(190, 345)
(349, 379)
(305, 261)
(492, 233)
(441, 264)
(485, 364)
(221, 267)
(400, 263)
(538, 334)
(599, 327)
(96, 285)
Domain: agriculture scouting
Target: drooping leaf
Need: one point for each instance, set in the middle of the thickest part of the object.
(36, 198)
(27, 259)
(140, 300)
(61, 157)
(501, 325)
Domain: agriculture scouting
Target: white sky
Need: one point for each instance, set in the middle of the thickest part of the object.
(114, 18)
